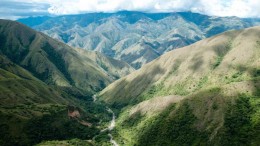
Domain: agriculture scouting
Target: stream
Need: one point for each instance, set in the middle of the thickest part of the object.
(111, 125)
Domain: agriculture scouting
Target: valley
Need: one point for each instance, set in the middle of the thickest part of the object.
(130, 78)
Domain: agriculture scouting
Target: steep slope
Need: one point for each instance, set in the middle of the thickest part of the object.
(205, 93)
(54, 62)
(125, 33)
(26, 102)
(46, 87)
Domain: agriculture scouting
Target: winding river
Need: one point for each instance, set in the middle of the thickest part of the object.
(111, 126)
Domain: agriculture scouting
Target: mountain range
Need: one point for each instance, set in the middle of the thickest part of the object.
(134, 37)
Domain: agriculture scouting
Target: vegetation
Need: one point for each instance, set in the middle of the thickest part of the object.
(56, 126)
(202, 82)
(102, 139)
(72, 142)
(238, 128)
(155, 90)
(174, 129)
(217, 62)
(50, 123)
(161, 90)
(221, 52)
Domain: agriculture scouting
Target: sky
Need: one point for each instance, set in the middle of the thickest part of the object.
(14, 9)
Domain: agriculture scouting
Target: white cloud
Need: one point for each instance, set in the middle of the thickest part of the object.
(240, 8)
(14, 9)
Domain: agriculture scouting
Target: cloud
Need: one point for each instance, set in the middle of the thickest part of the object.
(240, 8)
(14, 9)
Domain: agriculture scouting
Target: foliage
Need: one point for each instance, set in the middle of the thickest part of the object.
(177, 129)
(102, 138)
(56, 126)
(152, 91)
(217, 62)
(72, 142)
(238, 129)
(132, 121)
(161, 90)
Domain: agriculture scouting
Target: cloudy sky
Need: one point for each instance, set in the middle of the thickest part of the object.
(14, 9)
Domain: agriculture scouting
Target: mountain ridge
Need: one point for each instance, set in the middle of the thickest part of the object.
(118, 34)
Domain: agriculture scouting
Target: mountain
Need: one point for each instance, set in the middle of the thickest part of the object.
(203, 94)
(46, 87)
(134, 37)
(56, 63)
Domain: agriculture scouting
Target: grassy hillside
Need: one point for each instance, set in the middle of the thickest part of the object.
(203, 94)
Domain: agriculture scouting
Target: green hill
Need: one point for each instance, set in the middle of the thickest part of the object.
(203, 94)
(46, 87)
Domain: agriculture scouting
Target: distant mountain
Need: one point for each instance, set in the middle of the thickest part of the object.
(134, 37)
(56, 63)
(46, 87)
(203, 94)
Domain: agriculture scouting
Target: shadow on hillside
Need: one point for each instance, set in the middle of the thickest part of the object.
(125, 92)
(255, 75)
(197, 63)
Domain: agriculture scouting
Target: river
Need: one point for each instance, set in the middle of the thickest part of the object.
(111, 126)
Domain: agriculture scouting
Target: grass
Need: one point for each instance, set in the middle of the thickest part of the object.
(217, 62)
(178, 89)
(153, 91)
(161, 90)
(202, 82)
